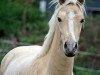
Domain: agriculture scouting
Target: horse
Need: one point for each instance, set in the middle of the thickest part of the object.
(56, 56)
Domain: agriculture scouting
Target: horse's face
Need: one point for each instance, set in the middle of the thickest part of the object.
(70, 19)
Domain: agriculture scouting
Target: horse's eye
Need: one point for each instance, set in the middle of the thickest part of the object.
(82, 21)
(59, 19)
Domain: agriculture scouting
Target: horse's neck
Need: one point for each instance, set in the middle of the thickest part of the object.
(58, 63)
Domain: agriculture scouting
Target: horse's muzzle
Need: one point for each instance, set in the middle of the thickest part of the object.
(70, 49)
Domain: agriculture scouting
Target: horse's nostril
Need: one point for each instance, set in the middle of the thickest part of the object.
(65, 45)
(76, 46)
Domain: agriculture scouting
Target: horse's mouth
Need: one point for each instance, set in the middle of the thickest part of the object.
(70, 54)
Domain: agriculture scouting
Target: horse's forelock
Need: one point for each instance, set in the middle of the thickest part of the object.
(66, 3)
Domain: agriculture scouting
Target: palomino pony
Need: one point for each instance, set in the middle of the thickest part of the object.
(56, 56)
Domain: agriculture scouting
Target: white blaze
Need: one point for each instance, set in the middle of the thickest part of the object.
(71, 16)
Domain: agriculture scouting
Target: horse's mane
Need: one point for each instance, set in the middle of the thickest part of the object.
(53, 23)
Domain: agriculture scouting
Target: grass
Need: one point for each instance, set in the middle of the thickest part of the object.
(78, 72)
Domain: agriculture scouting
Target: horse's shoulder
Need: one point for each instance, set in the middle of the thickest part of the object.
(19, 53)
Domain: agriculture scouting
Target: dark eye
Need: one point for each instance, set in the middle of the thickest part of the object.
(59, 19)
(82, 21)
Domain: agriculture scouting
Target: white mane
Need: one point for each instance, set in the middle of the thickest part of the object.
(53, 23)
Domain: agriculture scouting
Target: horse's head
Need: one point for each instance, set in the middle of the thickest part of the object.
(70, 19)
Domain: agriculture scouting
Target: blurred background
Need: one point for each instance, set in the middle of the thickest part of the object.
(25, 22)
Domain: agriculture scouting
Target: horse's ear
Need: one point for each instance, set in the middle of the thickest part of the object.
(82, 1)
(62, 1)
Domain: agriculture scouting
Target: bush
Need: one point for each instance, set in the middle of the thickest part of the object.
(90, 35)
(11, 21)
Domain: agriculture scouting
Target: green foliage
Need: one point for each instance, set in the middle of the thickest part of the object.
(11, 23)
(10, 17)
(90, 35)
(85, 73)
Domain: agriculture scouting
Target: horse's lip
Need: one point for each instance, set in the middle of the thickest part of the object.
(70, 54)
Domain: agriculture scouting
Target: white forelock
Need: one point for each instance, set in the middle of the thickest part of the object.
(67, 2)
